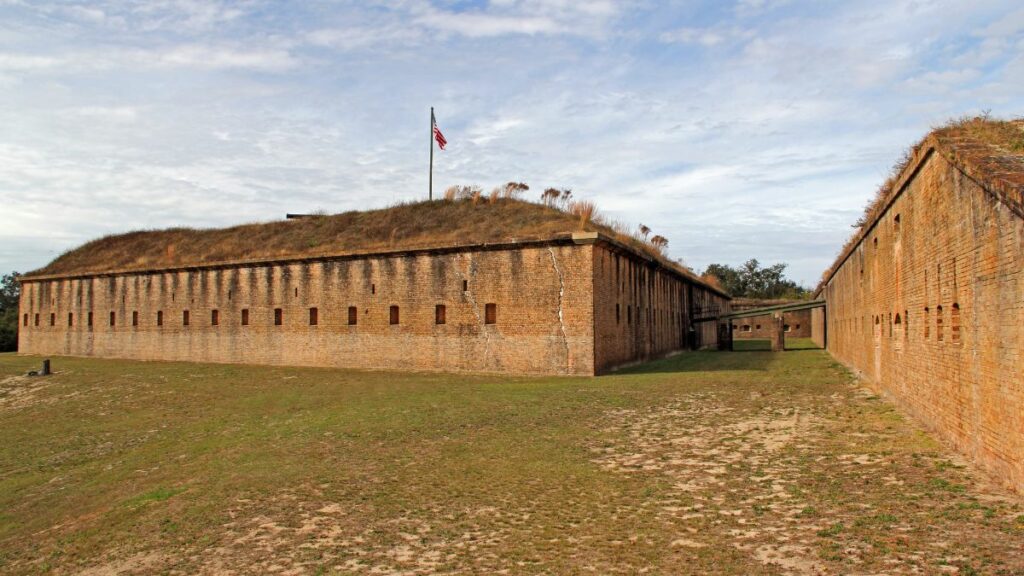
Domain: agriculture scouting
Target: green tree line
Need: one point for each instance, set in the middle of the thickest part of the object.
(751, 280)
(10, 289)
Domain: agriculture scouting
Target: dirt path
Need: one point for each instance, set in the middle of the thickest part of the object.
(842, 485)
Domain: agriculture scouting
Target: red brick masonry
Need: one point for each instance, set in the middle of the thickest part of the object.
(928, 304)
(796, 324)
(575, 304)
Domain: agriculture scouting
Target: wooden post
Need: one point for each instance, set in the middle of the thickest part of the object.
(778, 338)
(725, 335)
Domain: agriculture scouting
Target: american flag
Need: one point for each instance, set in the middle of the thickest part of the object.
(437, 132)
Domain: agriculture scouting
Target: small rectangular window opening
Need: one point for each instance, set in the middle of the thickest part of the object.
(214, 317)
(245, 316)
(490, 313)
(89, 319)
(373, 288)
(465, 285)
(24, 321)
(439, 314)
(313, 316)
(53, 319)
(939, 332)
(113, 318)
(184, 317)
(135, 318)
(394, 314)
(37, 319)
(353, 315)
(278, 317)
(617, 313)
(71, 319)
(159, 317)
(955, 323)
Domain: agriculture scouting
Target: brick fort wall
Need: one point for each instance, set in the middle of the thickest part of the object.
(577, 307)
(796, 325)
(643, 311)
(527, 310)
(929, 308)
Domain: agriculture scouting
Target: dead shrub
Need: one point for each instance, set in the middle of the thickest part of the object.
(463, 192)
(712, 280)
(584, 210)
(513, 190)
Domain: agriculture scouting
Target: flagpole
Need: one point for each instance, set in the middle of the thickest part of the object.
(430, 191)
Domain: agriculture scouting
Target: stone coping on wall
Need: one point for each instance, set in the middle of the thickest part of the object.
(1000, 176)
(567, 238)
(743, 303)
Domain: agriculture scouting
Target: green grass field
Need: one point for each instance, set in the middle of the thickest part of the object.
(753, 463)
(764, 345)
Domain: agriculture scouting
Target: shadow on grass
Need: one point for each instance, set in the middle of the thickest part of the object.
(764, 345)
(801, 344)
(752, 345)
(702, 361)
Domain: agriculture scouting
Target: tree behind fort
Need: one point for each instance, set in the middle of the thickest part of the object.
(751, 280)
(9, 292)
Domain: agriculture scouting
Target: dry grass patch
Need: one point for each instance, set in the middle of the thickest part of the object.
(465, 216)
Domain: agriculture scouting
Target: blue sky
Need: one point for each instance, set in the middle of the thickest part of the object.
(752, 129)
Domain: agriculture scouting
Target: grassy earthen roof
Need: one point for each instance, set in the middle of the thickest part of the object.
(419, 225)
(989, 151)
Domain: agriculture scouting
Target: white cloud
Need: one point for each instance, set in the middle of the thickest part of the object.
(108, 113)
(87, 13)
(485, 131)
(477, 25)
(765, 144)
(27, 62)
(707, 37)
(221, 57)
(184, 15)
(523, 17)
(362, 37)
